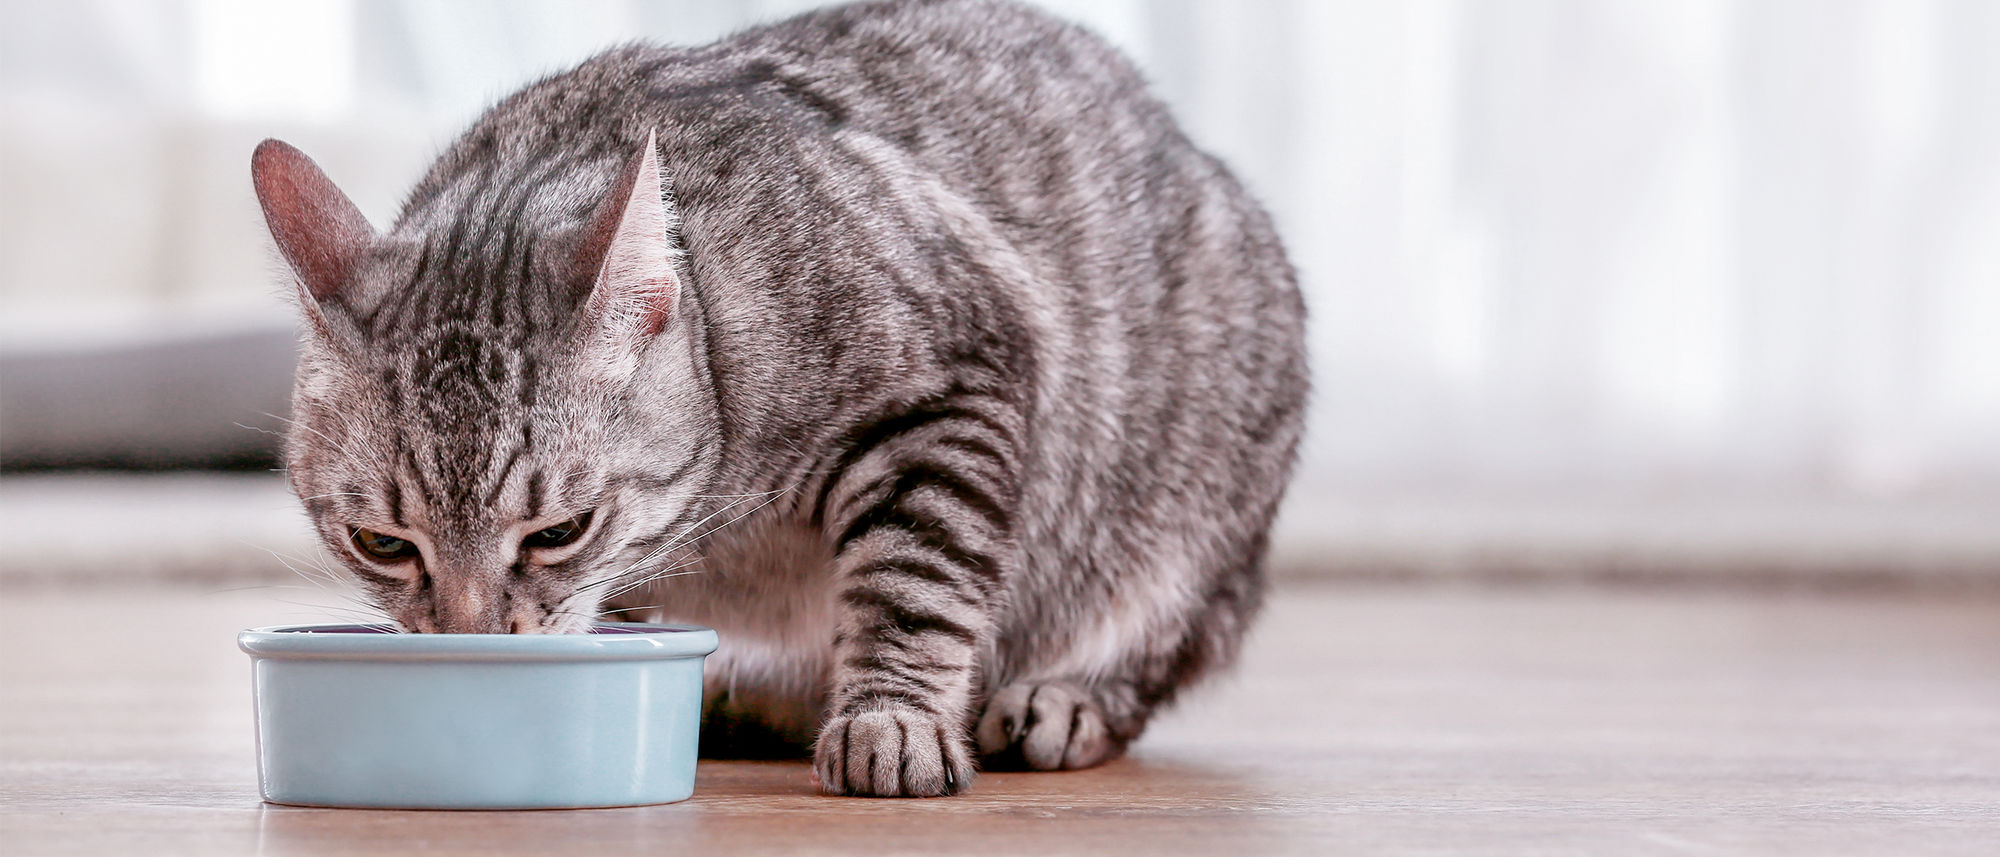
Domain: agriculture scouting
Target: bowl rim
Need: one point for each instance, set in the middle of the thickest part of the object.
(637, 641)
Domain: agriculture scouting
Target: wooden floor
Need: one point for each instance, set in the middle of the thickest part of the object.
(1363, 721)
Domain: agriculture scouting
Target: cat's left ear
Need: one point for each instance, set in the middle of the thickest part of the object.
(629, 248)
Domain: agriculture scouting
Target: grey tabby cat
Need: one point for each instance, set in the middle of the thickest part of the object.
(908, 344)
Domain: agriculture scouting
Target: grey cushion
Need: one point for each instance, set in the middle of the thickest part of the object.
(173, 403)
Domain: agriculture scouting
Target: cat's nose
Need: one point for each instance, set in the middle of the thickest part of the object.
(451, 621)
(470, 604)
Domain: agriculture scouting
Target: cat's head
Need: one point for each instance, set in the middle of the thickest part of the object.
(501, 415)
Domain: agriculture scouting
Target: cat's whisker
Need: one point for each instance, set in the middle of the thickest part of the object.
(267, 587)
(351, 616)
(632, 584)
(326, 580)
(322, 435)
(671, 571)
(636, 607)
(675, 569)
(741, 496)
(668, 546)
(682, 537)
(769, 498)
(351, 610)
(259, 429)
(322, 579)
(753, 510)
(718, 528)
(628, 583)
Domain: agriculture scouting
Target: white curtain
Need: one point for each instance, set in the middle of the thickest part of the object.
(1669, 246)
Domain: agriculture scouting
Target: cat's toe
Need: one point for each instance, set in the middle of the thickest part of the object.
(1045, 727)
(894, 752)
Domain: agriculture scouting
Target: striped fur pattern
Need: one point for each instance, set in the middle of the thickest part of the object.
(964, 423)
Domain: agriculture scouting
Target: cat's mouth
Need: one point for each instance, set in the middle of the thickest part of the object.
(521, 624)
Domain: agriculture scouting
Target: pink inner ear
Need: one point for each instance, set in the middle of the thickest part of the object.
(628, 251)
(659, 301)
(318, 229)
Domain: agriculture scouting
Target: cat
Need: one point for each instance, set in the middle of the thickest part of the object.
(910, 345)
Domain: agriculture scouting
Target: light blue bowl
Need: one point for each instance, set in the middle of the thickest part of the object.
(348, 716)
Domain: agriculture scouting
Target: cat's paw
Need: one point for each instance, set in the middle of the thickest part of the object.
(1047, 726)
(892, 752)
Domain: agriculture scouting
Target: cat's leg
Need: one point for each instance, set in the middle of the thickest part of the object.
(922, 525)
(1066, 722)
(1056, 725)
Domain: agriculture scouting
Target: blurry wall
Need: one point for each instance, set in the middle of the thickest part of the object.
(1626, 248)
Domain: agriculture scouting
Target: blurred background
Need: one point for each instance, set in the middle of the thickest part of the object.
(1683, 291)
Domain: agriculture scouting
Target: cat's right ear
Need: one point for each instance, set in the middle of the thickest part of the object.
(317, 227)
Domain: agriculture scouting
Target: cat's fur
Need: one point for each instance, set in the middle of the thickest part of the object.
(920, 355)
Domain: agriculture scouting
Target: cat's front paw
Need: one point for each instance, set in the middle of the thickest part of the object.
(892, 752)
(1045, 726)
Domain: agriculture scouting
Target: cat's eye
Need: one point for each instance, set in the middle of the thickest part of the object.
(558, 535)
(383, 546)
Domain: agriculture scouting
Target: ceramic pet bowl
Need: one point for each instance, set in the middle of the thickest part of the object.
(351, 716)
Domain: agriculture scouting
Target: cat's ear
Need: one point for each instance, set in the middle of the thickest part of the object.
(317, 227)
(630, 257)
